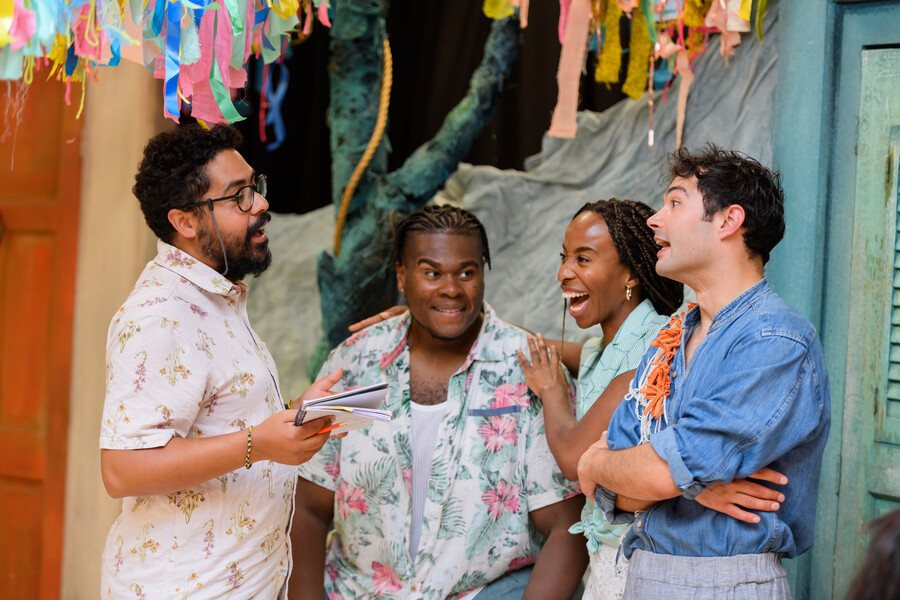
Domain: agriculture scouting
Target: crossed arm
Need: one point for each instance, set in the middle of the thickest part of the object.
(580, 457)
(614, 470)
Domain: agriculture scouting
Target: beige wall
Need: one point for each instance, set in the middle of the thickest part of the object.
(123, 109)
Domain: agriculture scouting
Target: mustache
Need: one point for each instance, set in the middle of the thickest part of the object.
(259, 223)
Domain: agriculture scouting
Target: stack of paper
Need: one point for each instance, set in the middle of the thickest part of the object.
(353, 409)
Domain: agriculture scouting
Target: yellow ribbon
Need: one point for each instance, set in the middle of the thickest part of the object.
(610, 60)
(638, 57)
(498, 9)
(286, 8)
(6, 18)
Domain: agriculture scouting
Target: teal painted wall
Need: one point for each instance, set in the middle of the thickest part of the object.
(796, 269)
(816, 108)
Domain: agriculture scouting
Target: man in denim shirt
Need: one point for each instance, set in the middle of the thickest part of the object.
(738, 386)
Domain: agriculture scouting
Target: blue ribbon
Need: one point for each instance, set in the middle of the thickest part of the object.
(275, 98)
(173, 45)
(71, 60)
(158, 13)
(115, 47)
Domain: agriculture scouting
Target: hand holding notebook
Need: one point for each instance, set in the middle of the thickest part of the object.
(352, 409)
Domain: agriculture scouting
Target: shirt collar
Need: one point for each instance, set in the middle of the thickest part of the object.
(733, 309)
(635, 318)
(187, 267)
(487, 346)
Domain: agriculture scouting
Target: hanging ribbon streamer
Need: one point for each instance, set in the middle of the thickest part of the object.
(563, 123)
(639, 53)
(200, 48)
(173, 47)
(274, 116)
(610, 61)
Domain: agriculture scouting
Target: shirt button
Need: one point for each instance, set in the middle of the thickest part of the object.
(639, 523)
(412, 589)
(674, 374)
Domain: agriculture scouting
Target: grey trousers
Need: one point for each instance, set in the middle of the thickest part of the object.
(743, 577)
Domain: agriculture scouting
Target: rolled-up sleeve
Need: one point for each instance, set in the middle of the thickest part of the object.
(767, 402)
(624, 432)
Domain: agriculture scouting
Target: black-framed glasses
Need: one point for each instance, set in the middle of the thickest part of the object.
(244, 196)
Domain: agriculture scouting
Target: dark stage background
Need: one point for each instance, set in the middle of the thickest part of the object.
(436, 45)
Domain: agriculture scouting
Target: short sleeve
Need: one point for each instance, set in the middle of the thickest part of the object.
(324, 468)
(767, 401)
(155, 383)
(545, 483)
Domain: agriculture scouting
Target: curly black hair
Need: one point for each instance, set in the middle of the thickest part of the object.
(172, 172)
(444, 218)
(726, 177)
(633, 241)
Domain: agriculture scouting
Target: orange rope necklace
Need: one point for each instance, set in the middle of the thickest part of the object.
(656, 387)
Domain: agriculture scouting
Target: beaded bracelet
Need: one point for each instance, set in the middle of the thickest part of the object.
(249, 447)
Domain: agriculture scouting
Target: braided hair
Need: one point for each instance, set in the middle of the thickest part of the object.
(633, 241)
(443, 218)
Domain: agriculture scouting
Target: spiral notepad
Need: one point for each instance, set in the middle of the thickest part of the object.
(354, 409)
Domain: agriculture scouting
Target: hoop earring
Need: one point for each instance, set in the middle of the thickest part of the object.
(628, 293)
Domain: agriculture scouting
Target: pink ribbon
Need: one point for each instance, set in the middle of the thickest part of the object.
(568, 77)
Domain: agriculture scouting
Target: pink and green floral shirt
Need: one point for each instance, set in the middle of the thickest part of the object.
(182, 360)
(491, 467)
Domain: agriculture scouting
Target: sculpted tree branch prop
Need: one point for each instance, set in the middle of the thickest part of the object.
(359, 281)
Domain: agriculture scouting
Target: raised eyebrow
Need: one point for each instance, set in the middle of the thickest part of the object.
(675, 188)
(429, 262)
(239, 183)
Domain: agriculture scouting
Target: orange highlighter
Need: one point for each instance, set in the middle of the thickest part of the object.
(331, 427)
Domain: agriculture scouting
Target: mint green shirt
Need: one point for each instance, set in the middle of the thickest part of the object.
(599, 365)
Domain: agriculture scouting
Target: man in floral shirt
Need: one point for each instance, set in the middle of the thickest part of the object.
(460, 488)
(192, 394)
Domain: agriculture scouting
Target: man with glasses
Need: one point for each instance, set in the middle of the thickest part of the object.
(195, 437)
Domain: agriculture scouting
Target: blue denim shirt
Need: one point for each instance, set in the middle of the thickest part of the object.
(755, 395)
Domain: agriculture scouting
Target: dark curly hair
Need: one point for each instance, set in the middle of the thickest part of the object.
(633, 241)
(725, 177)
(878, 578)
(172, 172)
(443, 218)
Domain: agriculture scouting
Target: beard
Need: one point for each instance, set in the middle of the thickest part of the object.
(244, 256)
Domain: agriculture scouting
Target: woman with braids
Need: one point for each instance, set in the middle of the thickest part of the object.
(608, 278)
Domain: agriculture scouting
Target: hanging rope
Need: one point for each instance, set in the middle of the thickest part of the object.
(384, 102)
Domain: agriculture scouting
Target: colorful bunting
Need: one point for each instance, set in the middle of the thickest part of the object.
(671, 33)
(199, 48)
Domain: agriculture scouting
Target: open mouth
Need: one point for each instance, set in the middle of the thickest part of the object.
(578, 302)
(450, 311)
(258, 233)
(663, 244)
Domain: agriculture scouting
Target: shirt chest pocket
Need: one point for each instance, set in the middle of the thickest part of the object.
(495, 434)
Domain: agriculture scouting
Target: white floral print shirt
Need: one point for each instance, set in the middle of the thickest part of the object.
(491, 467)
(182, 360)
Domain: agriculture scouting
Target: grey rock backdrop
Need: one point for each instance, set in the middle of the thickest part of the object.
(525, 212)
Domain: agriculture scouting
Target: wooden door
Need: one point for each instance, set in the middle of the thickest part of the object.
(870, 450)
(39, 198)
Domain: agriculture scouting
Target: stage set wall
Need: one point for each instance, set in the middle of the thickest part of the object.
(812, 268)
